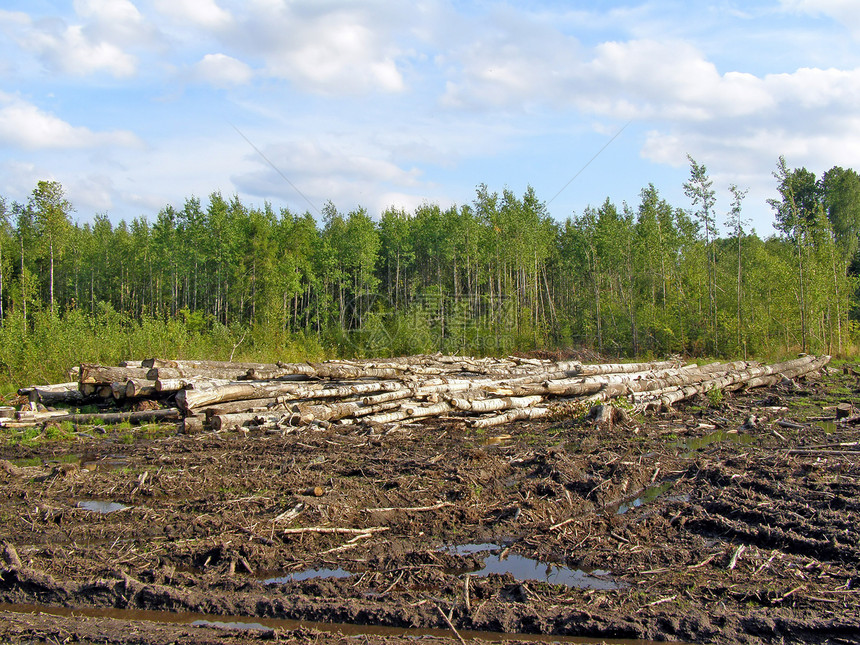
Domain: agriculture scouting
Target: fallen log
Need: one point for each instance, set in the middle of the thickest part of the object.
(407, 388)
(236, 391)
(101, 375)
(146, 416)
(494, 404)
(136, 388)
(175, 385)
(68, 393)
(204, 365)
(509, 416)
(172, 373)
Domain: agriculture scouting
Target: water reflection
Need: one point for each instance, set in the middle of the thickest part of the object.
(526, 569)
(101, 507)
(344, 629)
(307, 574)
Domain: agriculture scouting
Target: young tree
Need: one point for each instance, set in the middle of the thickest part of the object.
(398, 254)
(51, 210)
(700, 192)
(796, 217)
(736, 225)
(4, 224)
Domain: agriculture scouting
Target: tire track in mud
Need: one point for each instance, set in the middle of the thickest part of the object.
(762, 506)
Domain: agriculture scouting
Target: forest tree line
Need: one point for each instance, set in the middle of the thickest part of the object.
(490, 277)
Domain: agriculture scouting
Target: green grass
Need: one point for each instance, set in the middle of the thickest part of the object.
(48, 345)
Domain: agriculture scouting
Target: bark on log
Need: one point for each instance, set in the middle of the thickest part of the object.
(68, 393)
(411, 388)
(118, 389)
(205, 365)
(166, 373)
(619, 368)
(174, 385)
(247, 405)
(491, 405)
(100, 374)
(147, 416)
(197, 398)
(388, 417)
(433, 410)
(509, 416)
(754, 376)
(136, 388)
(192, 425)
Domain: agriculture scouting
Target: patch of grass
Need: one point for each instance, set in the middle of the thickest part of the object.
(36, 435)
(477, 489)
(28, 463)
(715, 397)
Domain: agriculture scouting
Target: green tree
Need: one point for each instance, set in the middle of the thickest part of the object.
(4, 234)
(841, 194)
(795, 213)
(397, 254)
(51, 210)
(700, 192)
(736, 225)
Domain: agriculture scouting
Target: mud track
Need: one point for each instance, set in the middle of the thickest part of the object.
(694, 525)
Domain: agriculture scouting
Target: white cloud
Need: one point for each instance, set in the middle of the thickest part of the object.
(73, 53)
(221, 70)
(98, 43)
(92, 193)
(120, 15)
(843, 11)
(322, 172)
(26, 126)
(639, 79)
(342, 48)
(203, 13)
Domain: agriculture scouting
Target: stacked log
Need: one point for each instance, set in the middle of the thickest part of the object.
(482, 392)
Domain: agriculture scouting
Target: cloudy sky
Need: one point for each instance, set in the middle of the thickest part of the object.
(136, 104)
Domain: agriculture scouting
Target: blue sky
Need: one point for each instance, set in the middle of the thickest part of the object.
(133, 105)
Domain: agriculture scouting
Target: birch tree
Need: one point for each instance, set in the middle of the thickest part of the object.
(51, 210)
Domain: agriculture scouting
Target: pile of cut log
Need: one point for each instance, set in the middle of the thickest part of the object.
(483, 392)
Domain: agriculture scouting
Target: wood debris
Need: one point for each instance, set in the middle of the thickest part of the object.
(483, 392)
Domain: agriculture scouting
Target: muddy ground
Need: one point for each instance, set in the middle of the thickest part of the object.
(699, 524)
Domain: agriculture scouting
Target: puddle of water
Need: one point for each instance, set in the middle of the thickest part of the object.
(307, 574)
(525, 569)
(101, 507)
(231, 625)
(94, 462)
(468, 549)
(343, 629)
(690, 446)
(651, 494)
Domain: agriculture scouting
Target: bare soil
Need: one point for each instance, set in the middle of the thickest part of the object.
(699, 524)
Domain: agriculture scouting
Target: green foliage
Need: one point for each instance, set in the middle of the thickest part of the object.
(715, 397)
(219, 279)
